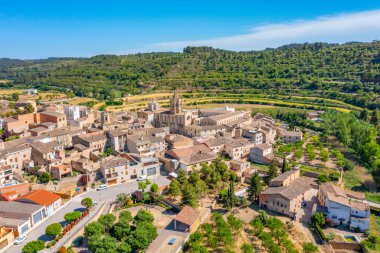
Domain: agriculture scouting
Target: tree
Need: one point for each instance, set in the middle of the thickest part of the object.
(323, 178)
(33, 246)
(142, 236)
(200, 187)
(310, 247)
(87, 202)
(121, 229)
(44, 177)
(230, 199)
(285, 167)
(95, 228)
(375, 118)
(72, 216)
(28, 108)
(142, 186)
(235, 223)
(124, 200)
(102, 244)
(189, 196)
(123, 247)
(125, 215)
(255, 186)
(182, 178)
(154, 188)
(174, 187)
(324, 154)
(108, 151)
(364, 115)
(53, 229)
(15, 97)
(247, 248)
(272, 173)
(107, 220)
(319, 219)
(143, 215)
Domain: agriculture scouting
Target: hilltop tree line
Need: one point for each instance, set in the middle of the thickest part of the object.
(348, 72)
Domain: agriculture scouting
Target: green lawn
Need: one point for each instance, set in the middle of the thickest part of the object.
(260, 166)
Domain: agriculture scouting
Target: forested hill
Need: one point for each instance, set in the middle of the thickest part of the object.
(331, 69)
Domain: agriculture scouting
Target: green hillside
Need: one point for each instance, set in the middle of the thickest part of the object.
(348, 72)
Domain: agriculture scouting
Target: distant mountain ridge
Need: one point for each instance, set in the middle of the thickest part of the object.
(353, 67)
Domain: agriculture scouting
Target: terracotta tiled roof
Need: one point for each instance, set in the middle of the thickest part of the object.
(339, 195)
(188, 215)
(192, 155)
(40, 197)
(298, 187)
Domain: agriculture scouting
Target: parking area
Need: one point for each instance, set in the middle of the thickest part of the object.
(161, 243)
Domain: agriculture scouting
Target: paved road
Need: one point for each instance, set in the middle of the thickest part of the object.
(108, 194)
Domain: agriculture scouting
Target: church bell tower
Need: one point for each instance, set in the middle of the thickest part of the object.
(175, 104)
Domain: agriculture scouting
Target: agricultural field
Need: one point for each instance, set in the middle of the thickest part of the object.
(246, 101)
(81, 100)
(10, 91)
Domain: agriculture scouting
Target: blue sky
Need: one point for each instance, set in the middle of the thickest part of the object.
(40, 29)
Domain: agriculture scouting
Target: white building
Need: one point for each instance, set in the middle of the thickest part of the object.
(72, 112)
(129, 167)
(31, 91)
(344, 207)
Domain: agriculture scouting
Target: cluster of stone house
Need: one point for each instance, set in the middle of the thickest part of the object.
(288, 193)
(60, 139)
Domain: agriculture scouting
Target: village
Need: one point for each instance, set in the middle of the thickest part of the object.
(192, 162)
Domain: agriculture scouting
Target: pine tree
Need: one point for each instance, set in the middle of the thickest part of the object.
(272, 173)
(174, 187)
(285, 166)
(375, 118)
(364, 115)
(230, 200)
(255, 186)
(189, 195)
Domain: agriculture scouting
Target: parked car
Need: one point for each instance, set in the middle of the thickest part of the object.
(172, 241)
(20, 239)
(141, 178)
(303, 204)
(101, 187)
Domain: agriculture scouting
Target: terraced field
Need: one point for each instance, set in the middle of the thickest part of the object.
(245, 101)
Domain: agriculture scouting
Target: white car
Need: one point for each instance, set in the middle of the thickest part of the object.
(101, 187)
(141, 178)
(20, 239)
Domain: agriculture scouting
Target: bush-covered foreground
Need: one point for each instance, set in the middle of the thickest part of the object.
(262, 233)
(126, 235)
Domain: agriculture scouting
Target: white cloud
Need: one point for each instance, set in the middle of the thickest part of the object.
(360, 26)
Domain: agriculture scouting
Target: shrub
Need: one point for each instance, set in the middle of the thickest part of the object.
(319, 219)
(87, 202)
(310, 248)
(323, 178)
(45, 177)
(93, 229)
(33, 246)
(53, 229)
(72, 216)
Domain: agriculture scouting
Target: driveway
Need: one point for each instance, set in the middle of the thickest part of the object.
(110, 193)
